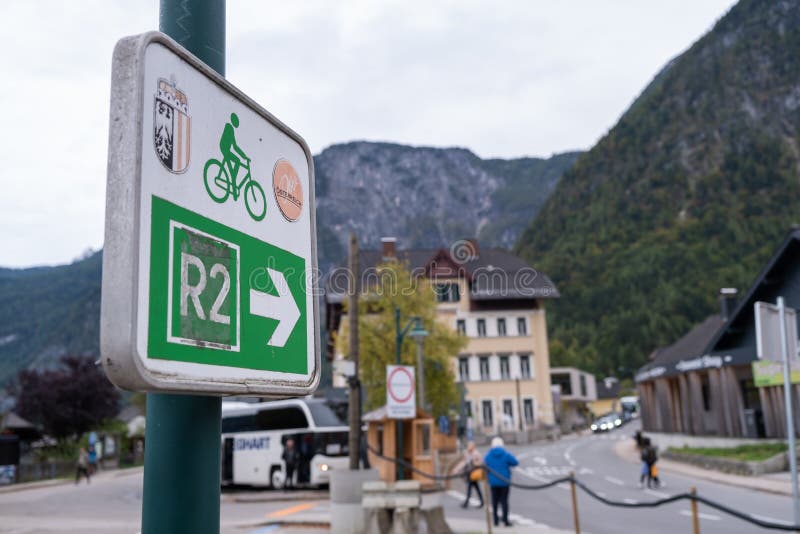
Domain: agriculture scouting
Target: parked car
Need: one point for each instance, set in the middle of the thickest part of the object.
(607, 422)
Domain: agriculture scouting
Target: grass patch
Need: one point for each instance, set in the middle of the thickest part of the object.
(747, 453)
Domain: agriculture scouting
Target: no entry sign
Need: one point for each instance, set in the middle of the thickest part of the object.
(210, 244)
(400, 392)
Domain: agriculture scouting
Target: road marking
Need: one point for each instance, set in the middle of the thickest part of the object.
(616, 481)
(564, 486)
(770, 519)
(630, 501)
(265, 530)
(292, 509)
(540, 460)
(655, 493)
(701, 515)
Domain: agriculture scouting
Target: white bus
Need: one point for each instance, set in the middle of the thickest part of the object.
(254, 434)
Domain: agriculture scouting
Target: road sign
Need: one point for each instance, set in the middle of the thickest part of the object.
(210, 245)
(400, 392)
(768, 333)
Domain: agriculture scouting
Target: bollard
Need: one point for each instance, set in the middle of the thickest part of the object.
(488, 500)
(695, 514)
(575, 518)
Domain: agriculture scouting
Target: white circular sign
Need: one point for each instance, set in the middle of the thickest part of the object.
(400, 385)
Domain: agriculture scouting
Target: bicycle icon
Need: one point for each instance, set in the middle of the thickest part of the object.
(220, 176)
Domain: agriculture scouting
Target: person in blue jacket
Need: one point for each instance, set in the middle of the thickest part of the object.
(499, 462)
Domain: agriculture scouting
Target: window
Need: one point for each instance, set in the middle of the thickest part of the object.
(508, 414)
(527, 408)
(463, 368)
(486, 411)
(583, 385)
(468, 408)
(522, 326)
(505, 368)
(322, 414)
(380, 438)
(481, 327)
(525, 366)
(562, 380)
(280, 418)
(461, 327)
(501, 327)
(423, 439)
(446, 292)
(484, 365)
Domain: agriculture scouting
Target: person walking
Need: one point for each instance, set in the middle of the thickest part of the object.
(649, 458)
(290, 458)
(472, 463)
(82, 467)
(499, 463)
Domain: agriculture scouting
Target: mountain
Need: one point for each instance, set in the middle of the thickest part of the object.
(47, 312)
(422, 196)
(690, 191)
(426, 197)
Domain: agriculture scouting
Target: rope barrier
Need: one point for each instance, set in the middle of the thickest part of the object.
(586, 489)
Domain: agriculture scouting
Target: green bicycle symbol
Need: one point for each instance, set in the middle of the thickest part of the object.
(220, 176)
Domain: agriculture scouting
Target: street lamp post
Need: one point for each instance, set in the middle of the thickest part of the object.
(418, 333)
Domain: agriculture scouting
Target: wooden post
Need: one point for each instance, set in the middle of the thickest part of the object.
(354, 398)
(695, 514)
(487, 501)
(575, 518)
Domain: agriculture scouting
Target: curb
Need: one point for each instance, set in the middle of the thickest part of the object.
(626, 451)
(277, 497)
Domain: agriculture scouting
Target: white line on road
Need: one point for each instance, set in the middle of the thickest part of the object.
(655, 493)
(616, 481)
(770, 519)
(701, 515)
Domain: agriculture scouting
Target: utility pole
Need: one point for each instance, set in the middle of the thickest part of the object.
(182, 461)
(354, 406)
(420, 375)
(787, 396)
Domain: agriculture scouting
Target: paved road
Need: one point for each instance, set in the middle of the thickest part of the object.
(112, 504)
(593, 459)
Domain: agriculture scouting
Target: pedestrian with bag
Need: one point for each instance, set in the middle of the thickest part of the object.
(499, 463)
(474, 473)
(649, 459)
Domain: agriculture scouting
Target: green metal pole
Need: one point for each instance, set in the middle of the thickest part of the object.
(398, 423)
(182, 460)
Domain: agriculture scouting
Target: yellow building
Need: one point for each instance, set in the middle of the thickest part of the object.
(497, 301)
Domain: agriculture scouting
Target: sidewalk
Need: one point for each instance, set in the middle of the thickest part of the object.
(779, 483)
(100, 475)
(314, 522)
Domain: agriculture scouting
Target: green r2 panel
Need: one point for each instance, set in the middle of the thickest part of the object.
(204, 317)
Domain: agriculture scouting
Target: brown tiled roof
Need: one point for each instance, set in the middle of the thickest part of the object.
(495, 273)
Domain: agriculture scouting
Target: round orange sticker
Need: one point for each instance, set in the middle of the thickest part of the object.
(288, 190)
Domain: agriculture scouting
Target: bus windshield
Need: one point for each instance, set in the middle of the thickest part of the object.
(323, 415)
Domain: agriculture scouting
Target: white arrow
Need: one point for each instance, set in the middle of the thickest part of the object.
(283, 308)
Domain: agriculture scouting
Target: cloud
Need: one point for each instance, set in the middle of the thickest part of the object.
(504, 79)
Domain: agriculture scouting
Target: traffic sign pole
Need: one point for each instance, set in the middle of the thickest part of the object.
(182, 455)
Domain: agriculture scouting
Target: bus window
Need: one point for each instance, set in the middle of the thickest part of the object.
(239, 423)
(323, 415)
(284, 418)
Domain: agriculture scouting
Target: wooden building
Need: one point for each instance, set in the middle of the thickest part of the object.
(703, 383)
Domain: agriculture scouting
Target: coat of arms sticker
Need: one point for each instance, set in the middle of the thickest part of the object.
(171, 126)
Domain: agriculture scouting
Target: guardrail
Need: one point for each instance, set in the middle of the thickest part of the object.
(691, 496)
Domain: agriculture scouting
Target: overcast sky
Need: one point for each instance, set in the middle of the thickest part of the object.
(504, 79)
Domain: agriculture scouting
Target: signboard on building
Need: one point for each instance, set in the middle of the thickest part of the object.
(401, 402)
(210, 244)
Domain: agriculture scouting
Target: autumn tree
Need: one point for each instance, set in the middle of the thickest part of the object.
(392, 286)
(66, 401)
